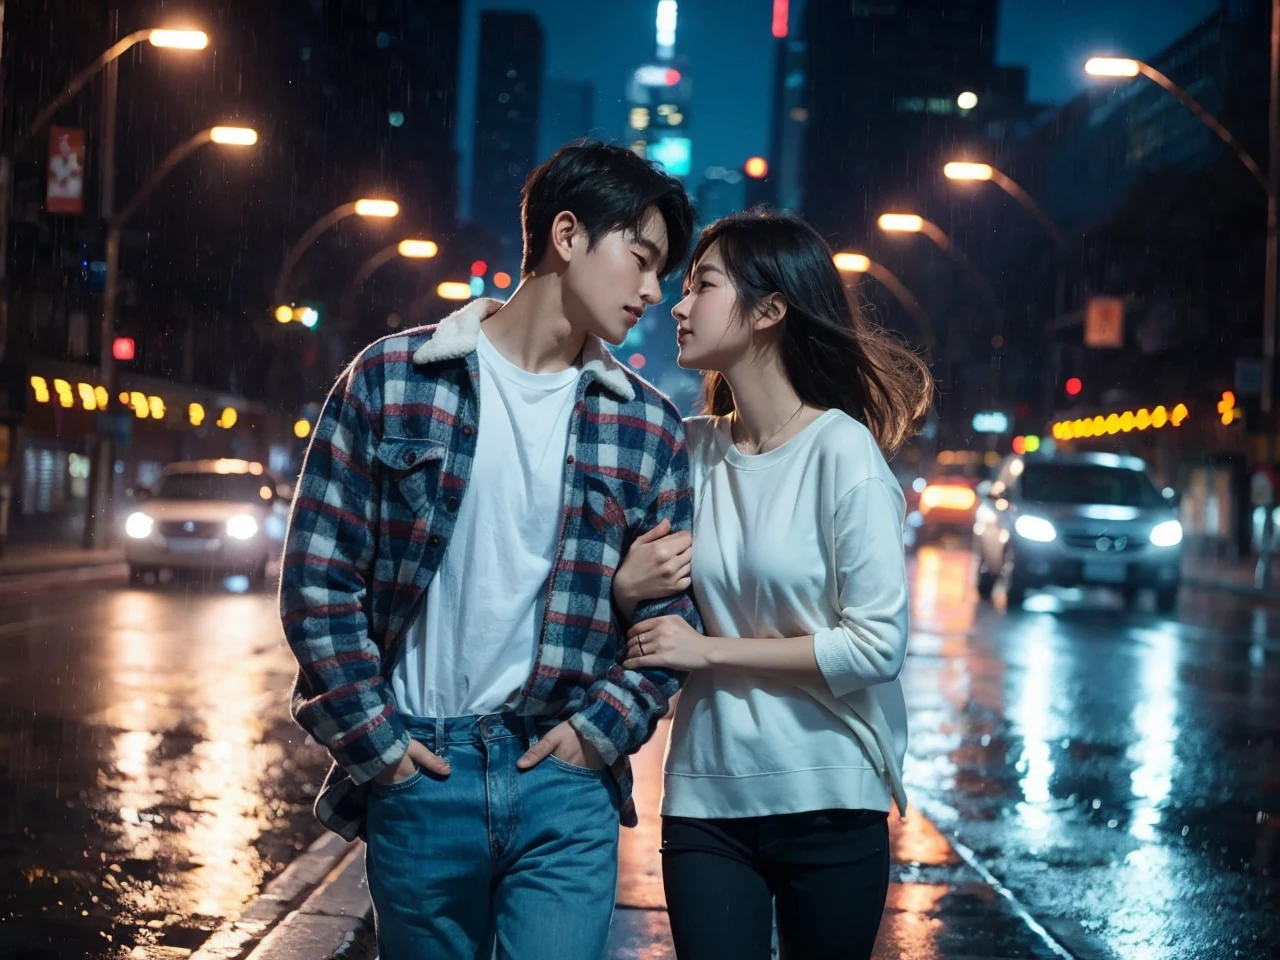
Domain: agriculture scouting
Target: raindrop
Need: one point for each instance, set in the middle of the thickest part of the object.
(1112, 824)
(1186, 830)
(986, 740)
(1097, 804)
(395, 118)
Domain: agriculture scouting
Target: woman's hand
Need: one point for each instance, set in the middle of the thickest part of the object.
(668, 642)
(658, 564)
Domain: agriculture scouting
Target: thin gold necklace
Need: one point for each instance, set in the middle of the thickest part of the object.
(760, 445)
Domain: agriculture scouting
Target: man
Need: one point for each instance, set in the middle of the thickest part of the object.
(446, 586)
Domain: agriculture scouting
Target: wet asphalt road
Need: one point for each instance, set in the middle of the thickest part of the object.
(1117, 772)
(150, 779)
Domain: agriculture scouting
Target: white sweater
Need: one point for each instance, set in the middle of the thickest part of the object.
(803, 539)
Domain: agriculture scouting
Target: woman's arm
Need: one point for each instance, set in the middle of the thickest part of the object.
(866, 647)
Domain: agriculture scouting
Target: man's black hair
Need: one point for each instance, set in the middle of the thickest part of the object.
(607, 188)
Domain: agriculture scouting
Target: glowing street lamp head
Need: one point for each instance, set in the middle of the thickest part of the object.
(959, 170)
(454, 290)
(900, 223)
(234, 136)
(417, 249)
(377, 208)
(1112, 67)
(967, 100)
(179, 39)
(284, 313)
(851, 262)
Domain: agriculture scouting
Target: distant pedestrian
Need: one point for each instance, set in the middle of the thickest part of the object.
(787, 746)
(447, 578)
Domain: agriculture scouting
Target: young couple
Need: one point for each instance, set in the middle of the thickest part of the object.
(490, 574)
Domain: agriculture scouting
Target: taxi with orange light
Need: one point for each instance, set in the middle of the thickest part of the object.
(949, 500)
(223, 516)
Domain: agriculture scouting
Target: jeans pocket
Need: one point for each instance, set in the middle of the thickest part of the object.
(388, 789)
(574, 768)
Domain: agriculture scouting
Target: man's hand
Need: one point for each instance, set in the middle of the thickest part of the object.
(416, 756)
(567, 744)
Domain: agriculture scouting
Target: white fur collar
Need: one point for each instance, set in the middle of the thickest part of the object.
(456, 336)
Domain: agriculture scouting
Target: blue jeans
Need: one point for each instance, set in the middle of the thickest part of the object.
(492, 861)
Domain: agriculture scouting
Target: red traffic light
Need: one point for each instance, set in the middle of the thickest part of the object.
(1074, 386)
(479, 268)
(122, 348)
(1019, 445)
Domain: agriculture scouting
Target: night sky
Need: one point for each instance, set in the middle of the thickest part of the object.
(729, 46)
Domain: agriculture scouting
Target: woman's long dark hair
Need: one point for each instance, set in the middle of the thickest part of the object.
(833, 355)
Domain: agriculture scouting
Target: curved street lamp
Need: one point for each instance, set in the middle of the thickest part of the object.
(164, 38)
(97, 526)
(1125, 68)
(405, 249)
(365, 207)
(854, 263)
(912, 223)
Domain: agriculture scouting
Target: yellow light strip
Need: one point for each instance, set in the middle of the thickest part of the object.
(1113, 423)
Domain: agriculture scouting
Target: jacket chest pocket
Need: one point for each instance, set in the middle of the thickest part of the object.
(606, 506)
(411, 472)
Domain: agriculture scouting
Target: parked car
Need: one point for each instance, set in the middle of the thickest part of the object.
(1076, 520)
(215, 516)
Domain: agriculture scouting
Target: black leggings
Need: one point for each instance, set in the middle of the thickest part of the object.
(828, 871)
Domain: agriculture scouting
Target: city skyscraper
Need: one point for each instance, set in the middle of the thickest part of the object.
(508, 102)
(881, 85)
(568, 113)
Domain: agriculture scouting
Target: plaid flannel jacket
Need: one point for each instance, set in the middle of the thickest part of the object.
(373, 514)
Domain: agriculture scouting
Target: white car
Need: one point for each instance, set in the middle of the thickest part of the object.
(210, 516)
(1077, 520)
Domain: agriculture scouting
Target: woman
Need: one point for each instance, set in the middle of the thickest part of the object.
(786, 750)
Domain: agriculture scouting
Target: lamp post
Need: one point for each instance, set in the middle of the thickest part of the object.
(856, 263)
(97, 518)
(977, 172)
(1126, 68)
(406, 249)
(365, 207)
(163, 38)
(911, 223)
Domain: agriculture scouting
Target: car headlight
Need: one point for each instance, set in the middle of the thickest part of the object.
(242, 527)
(1166, 534)
(1035, 528)
(139, 526)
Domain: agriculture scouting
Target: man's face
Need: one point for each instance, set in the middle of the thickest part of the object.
(607, 288)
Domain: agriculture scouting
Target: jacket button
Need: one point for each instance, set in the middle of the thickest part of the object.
(452, 503)
(434, 540)
(570, 460)
(408, 457)
(468, 430)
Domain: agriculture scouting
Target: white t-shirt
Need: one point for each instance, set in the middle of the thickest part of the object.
(473, 644)
(803, 539)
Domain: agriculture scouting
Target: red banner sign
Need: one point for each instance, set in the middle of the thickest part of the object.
(66, 171)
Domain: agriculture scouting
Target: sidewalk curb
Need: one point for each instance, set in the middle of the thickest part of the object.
(49, 578)
(317, 909)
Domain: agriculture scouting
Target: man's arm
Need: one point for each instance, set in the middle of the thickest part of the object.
(340, 697)
(624, 706)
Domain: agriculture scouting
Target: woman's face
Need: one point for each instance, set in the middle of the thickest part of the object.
(710, 333)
